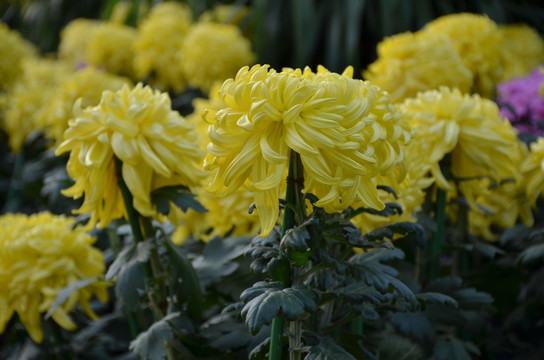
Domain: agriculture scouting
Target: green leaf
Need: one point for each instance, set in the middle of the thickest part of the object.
(266, 299)
(178, 195)
(451, 348)
(65, 293)
(328, 350)
(488, 250)
(260, 352)
(531, 254)
(186, 285)
(391, 209)
(359, 292)
(472, 299)
(130, 255)
(515, 234)
(294, 244)
(436, 298)
(415, 326)
(130, 285)
(400, 228)
(151, 344)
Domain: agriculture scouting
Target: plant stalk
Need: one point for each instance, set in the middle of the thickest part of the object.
(440, 216)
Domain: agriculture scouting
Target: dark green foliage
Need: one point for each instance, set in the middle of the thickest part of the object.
(179, 195)
(152, 343)
(326, 349)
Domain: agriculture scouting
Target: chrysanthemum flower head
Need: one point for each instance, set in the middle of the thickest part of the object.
(412, 62)
(224, 13)
(111, 46)
(532, 170)
(470, 128)
(522, 50)
(346, 132)
(13, 49)
(86, 84)
(40, 255)
(214, 52)
(137, 126)
(74, 39)
(26, 102)
(477, 39)
(158, 47)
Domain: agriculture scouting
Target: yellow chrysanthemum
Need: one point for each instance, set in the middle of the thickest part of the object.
(346, 132)
(155, 145)
(111, 45)
(214, 52)
(412, 62)
(204, 112)
(158, 48)
(25, 103)
(532, 169)
(470, 128)
(477, 39)
(410, 191)
(225, 13)
(522, 50)
(87, 85)
(40, 255)
(74, 39)
(13, 49)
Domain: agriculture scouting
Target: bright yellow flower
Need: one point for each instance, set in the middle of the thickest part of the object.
(13, 49)
(410, 191)
(40, 255)
(412, 62)
(346, 132)
(74, 39)
(477, 39)
(224, 13)
(214, 52)
(87, 84)
(522, 50)
(158, 48)
(26, 102)
(471, 129)
(155, 145)
(111, 45)
(204, 112)
(532, 170)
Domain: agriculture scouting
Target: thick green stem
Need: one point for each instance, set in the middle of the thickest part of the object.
(440, 217)
(292, 210)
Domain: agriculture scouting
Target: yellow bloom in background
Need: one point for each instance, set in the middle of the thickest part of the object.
(214, 52)
(87, 84)
(204, 113)
(522, 50)
(25, 104)
(74, 39)
(346, 132)
(412, 62)
(477, 39)
(410, 190)
(136, 125)
(481, 142)
(532, 169)
(13, 49)
(226, 14)
(111, 46)
(40, 255)
(158, 47)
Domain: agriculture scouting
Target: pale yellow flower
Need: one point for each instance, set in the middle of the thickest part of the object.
(214, 52)
(158, 47)
(86, 84)
(111, 46)
(13, 49)
(532, 169)
(522, 50)
(137, 126)
(477, 39)
(346, 131)
(225, 13)
(481, 143)
(26, 102)
(74, 39)
(40, 255)
(412, 62)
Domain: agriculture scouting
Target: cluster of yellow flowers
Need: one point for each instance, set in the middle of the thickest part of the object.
(465, 51)
(40, 255)
(13, 49)
(167, 49)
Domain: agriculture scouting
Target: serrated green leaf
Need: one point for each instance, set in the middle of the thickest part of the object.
(358, 293)
(186, 285)
(470, 298)
(178, 195)
(328, 350)
(151, 344)
(65, 293)
(437, 298)
(130, 285)
(531, 254)
(295, 239)
(390, 209)
(266, 299)
(415, 326)
(488, 250)
(451, 348)
(260, 352)
(131, 254)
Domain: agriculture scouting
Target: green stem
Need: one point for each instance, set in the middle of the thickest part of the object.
(293, 199)
(134, 218)
(436, 244)
(356, 327)
(9, 205)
